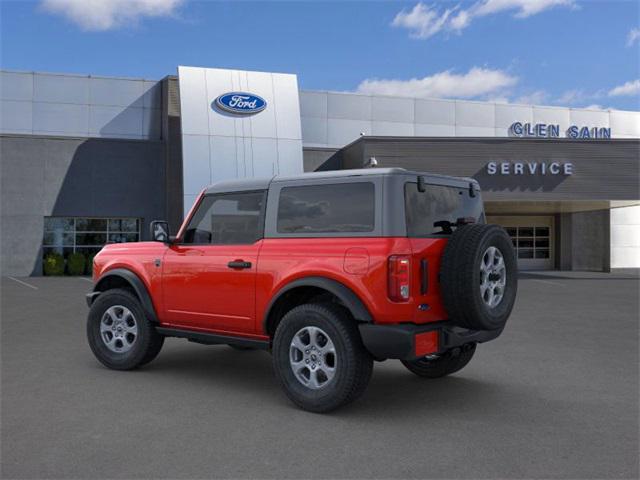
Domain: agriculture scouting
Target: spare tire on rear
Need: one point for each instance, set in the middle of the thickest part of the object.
(479, 277)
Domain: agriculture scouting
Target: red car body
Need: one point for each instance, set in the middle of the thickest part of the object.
(328, 272)
(192, 288)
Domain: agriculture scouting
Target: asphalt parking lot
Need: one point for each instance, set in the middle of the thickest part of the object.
(556, 396)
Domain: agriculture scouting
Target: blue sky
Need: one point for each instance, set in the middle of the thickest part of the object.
(558, 52)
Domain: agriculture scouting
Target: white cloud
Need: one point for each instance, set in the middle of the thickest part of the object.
(495, 86)
(421, 21)
(524, 8)
(580, 97)
(629, 88)
(475, 83)
(633, 36)
(424, 22)
(498, 99)
(99, 15)
(538, 97)
(571, 97)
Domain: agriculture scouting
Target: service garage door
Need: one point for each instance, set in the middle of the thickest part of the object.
(532, 238)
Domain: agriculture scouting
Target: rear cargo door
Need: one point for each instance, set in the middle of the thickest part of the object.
(431, 216)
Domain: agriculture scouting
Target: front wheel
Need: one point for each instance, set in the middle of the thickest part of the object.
(446, 364)
(119, 333)
(319, 358)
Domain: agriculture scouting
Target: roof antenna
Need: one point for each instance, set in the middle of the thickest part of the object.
(421, 184)
(372, 163)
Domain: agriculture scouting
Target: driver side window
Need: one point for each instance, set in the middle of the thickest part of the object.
(227, 219)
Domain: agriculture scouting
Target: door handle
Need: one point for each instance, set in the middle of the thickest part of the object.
(239, 264)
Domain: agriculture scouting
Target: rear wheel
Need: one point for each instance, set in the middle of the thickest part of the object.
(319, 358)
(119, 333)
(450, 362)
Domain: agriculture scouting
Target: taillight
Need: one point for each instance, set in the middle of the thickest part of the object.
(399, 277)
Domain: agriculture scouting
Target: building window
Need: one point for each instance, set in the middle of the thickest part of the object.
(530, 242)
(65, 235)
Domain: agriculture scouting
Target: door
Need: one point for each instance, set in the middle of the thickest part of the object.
(533, 239)
(209, 275)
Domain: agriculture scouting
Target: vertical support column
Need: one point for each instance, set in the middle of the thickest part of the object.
(590, 246)
(564, 241)
(172, 137)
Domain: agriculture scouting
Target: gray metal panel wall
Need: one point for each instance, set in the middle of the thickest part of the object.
(606, 170)
(313, 158)
(79, 106)
(45, 176)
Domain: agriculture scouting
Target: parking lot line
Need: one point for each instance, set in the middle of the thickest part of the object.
(23, 283)
(86, 279)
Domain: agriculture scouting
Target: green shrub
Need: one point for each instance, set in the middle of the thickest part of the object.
(75, 263)
(88, 270)
(53, 264)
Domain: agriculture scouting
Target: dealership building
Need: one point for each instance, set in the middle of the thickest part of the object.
(87, 160)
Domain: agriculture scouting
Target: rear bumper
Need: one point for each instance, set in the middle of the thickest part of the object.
(408, 341)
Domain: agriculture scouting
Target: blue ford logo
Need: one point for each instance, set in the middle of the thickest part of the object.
(241, 103)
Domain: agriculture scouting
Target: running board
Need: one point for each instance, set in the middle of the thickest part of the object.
(213, 338)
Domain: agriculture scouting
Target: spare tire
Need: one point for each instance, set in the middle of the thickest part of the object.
(479, 277)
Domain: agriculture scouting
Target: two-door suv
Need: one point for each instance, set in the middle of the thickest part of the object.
(327, 271)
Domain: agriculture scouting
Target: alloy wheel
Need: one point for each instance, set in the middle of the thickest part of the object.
(312, 356)
(118, 329)
(493, 277)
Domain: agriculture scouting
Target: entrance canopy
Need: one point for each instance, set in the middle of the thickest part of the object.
(567, 204)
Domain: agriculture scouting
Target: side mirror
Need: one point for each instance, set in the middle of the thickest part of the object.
(160, 231)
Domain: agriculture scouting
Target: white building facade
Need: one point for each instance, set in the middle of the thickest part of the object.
(71, 121)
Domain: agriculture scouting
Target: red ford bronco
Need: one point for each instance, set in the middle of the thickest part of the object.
(327, 271)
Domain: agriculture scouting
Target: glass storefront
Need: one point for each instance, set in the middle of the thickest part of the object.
(65, 235)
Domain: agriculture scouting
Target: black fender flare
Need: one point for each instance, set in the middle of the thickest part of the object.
(350, 300)
(138, 287)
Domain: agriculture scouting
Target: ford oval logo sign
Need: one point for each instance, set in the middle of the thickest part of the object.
(240, 103)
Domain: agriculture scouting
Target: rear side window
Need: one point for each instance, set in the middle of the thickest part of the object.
(228, 219)
(335, 208)
(438, 203)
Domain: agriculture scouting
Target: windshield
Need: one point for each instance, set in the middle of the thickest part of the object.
(439, 203)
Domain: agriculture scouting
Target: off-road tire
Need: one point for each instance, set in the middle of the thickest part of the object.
(460, 277)
(451, 362)
(353, 363)
(148, 342)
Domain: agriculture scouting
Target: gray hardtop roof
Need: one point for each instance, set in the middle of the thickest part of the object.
(263, 183)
